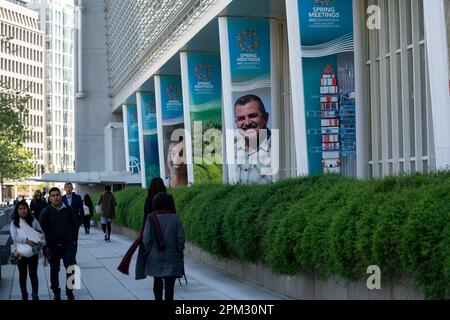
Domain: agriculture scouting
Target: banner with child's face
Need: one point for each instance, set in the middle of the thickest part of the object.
(173, 131)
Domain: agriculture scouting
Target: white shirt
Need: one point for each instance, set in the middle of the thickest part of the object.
(61, 207)
(69, 199)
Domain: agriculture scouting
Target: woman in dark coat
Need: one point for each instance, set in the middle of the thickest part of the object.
(87, 218)
(107, 201)
(37, 204)
(156, 186)
(164, 244)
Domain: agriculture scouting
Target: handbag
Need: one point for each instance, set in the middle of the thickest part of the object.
(24, 250)
(98, 208)
(184, 275)
(86, 210)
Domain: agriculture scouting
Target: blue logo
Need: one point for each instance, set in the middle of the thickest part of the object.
(203, 71)
(248, 40)
(173, 91)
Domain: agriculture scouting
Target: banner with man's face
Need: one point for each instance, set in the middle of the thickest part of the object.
(171, 130)
(202, 93)
(249, 52)
(250, 58)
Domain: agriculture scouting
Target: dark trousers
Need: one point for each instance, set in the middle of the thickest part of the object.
(107, 228)
(87, 223)
(166, 283)
(76, 242)
(28, 264)
(66, 252)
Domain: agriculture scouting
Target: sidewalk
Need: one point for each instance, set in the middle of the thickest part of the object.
(101, 280)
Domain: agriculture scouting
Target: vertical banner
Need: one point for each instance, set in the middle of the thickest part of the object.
(250, 76)
(148, 136)
(321, 36)
(170, 127)
(132, 141)
(202, 97)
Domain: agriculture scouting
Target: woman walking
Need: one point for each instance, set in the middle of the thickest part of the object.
(163, 244)
(87, 217)
(28, 239)
(37, 204)
(156, 186)
(107, 202)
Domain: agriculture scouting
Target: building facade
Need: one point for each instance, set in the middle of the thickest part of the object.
(57, 20)
(22, 68)
(386, 112)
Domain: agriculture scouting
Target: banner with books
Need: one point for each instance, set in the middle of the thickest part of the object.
(321, 36)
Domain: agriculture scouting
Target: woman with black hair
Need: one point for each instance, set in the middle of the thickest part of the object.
(163, 244)
(28, 238)
(156, 186)
(87, 217)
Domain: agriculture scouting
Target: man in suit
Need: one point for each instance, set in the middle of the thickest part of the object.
(73, 200)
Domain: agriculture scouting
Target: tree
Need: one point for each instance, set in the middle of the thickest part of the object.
(13, 112)
(15, 160)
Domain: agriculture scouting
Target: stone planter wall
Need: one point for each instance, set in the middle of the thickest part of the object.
(297, 287)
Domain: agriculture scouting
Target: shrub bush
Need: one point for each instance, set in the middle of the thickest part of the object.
(321, 225)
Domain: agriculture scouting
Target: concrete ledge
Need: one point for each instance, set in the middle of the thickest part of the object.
(115, 228)
(298, 286)
(330, 289)
(5, 248)
(5, 229)
(305, 287)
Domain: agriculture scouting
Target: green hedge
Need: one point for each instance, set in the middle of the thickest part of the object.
(322, 225)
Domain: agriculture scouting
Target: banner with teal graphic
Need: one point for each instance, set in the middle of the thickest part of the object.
(205, 107)
(148, 112)
(150, 136)
(250, 60)
(134, 163)
(327, 48)
(172, 119)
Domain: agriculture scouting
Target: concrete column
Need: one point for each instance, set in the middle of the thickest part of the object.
(436, 42)
(362, 138)
(298, 95)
